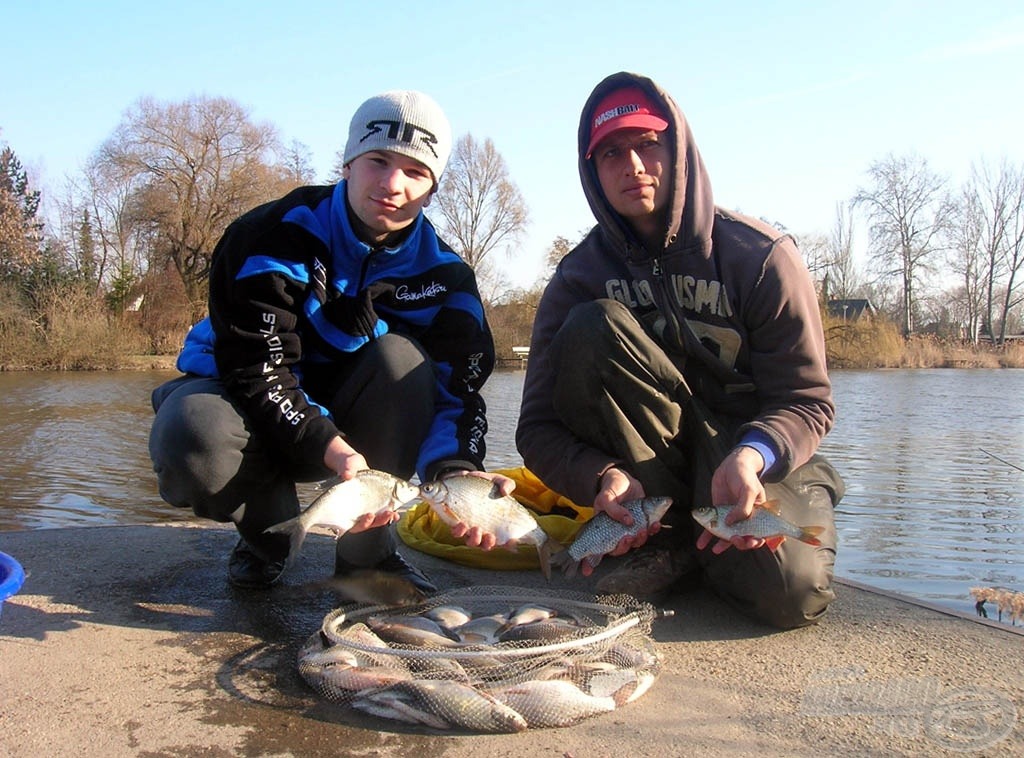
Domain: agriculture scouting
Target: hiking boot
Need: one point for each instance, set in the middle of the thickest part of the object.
(393, 564)
(648, 573)
(249, 570)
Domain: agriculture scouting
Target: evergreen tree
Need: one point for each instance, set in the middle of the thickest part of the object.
(20, 233)
(87, 251)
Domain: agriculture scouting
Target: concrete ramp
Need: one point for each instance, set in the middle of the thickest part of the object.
(128, 641)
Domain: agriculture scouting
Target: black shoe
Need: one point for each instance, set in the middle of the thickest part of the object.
(393, 564)
(250, 571)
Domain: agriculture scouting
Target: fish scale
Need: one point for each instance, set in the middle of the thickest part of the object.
(573, 656)
(766, 523)
(342, 503)
(478, 502)
(602, 533)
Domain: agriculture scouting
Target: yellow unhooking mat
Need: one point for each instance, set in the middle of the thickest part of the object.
(420, 528)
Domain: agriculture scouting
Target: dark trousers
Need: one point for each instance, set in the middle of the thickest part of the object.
(618, 390)
(207, 456)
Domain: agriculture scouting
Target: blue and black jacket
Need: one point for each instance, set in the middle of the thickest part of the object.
(280, 277)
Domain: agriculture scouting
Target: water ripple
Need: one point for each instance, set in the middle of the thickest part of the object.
(929, 512)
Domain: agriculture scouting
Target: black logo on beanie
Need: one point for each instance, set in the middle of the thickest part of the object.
(408, 133)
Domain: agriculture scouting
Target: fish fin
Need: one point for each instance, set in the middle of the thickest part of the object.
(809, 534)
(772, 543)
(561, 559)
(297, 535)
(772, 506)
(624, 693)
(545, 552)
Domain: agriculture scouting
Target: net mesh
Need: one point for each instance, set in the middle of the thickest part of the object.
(486, 659)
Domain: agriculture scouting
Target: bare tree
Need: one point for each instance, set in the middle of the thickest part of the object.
(968, 259)
(478, 208)
(193, 167)
(829, 258)
(559, 248)
(298, 163)
(817, 254)
(494, 284)
(998, 199)
(906, 208)
(99, 227)
(844, 280)
(884, 294)
(337, 168)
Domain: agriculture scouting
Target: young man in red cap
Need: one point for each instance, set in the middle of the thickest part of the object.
(678, 350)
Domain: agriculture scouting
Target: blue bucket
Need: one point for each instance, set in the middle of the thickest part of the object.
(12, 576)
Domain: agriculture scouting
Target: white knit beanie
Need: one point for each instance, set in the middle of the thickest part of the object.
(405, 122)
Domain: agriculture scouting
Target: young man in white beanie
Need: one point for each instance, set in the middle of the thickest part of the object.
(343, 335)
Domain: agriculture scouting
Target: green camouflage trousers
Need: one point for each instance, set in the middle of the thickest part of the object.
(618, 390)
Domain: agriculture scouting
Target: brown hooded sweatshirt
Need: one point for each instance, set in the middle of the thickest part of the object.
(728, 297)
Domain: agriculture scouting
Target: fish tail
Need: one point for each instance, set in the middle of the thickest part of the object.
(809, 534)
(564, 561)
(545, 553)
(297, 535)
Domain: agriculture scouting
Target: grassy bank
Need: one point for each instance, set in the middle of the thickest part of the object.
(917, 352)
(81, 340)
(150, 362)
(878, 344)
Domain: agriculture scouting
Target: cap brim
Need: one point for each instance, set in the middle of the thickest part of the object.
(632, 121)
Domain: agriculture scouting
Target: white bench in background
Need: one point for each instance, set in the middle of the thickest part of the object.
(522, 353)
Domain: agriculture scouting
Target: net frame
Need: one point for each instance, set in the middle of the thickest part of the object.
(473, 686)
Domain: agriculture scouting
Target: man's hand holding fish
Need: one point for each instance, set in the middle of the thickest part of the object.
(476, 536)
(343, 459)
(346, 461)
(618, 486)
(736, 481)
(477, 507)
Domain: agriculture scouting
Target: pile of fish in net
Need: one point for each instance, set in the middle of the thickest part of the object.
(486, 659)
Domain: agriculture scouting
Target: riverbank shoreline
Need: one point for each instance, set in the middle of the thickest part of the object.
(145, 649)
(916, 354)
(168, 363)
(125, 363)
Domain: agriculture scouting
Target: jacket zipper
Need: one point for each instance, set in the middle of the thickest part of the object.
(672, 318)
(365, 267)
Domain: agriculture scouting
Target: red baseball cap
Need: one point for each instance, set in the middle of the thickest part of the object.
(624, 109)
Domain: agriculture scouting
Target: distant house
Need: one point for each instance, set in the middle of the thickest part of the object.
(851, 310)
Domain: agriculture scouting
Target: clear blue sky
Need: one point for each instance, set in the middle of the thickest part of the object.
(790, 102)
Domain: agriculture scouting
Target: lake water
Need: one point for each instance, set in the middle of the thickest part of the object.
(933, 504)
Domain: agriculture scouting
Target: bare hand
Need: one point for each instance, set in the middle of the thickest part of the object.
(505, 484)
(617, 487)
(475, 536)
(344, 460)
(720, 546)
(374, 520)
(736, 481)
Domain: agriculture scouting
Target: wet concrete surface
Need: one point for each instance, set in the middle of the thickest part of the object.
(128, 641)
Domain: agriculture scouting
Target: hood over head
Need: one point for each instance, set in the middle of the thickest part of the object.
(691, 207)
